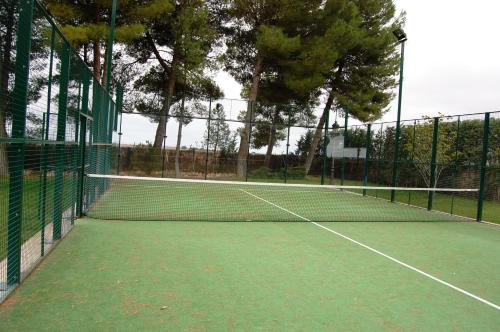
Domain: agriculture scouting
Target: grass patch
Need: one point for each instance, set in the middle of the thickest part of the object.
(31, 221)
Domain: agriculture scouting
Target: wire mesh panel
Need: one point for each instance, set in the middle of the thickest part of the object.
(40, 152)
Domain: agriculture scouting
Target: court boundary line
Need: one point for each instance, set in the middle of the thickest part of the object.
(395, 260)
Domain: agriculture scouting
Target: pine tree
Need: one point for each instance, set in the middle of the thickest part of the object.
(180, 42)
(363, 73)
(217, 134)
(8, 22)
(86, 22)
(260, 32)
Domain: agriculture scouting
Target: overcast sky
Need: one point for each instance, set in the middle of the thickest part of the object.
(452, 61)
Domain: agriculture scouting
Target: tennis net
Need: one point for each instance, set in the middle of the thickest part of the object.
(141, 198)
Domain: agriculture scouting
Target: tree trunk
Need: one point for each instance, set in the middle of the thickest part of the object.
(245, 132)
(105, 66)
(160, 130)
(272, 139)
(96, 47)
(4, 161)
(178, 145)
(317, 134)
(5, 69)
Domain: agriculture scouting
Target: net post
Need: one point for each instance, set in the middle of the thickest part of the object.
(82, 142)
(346, 137)
(484, 160)
(287, 144)
(367, 157)
(61, 136)
(325, 144)
(208, 135)
(432, 182)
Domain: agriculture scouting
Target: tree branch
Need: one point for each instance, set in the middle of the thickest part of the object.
(162, 62)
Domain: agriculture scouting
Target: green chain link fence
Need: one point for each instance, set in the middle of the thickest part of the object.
(55, 118)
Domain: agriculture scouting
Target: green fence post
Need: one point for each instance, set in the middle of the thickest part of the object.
(455, 172)
(82, 140)
(45, 136)
(61, 136)
(119, 109)
(395, 161)
(287, 144)
(346, 139)
(484, 160)
(75, 152)
(367, 157)
(325, 147)
(433, 165)
(109, 140)
(43, 187)
(252, 105)
(413, 153)
(208, 135)
(104, 135)
(16, 150)
(93, 155)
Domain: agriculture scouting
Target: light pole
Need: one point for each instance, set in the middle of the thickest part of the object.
(402, 38)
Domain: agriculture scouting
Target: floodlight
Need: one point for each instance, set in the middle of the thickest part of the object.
(400, 35)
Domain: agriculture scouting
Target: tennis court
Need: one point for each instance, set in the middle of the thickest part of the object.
(174, 270)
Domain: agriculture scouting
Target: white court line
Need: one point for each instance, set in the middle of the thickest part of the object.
(458, 289)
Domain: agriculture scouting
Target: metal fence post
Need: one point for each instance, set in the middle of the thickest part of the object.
(346, 139)
(119, 110)
(367, 157)
(16, 150)
(484, 161)
(61, 136)
(413, 153)
(252, 105)
(45, 136)
(82, 140)
(433, 165)
(208, 135)
(325, 146)
(287, 144)
(75, 152)
(455, 172)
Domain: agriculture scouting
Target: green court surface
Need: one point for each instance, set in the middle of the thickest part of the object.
(171, 276)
